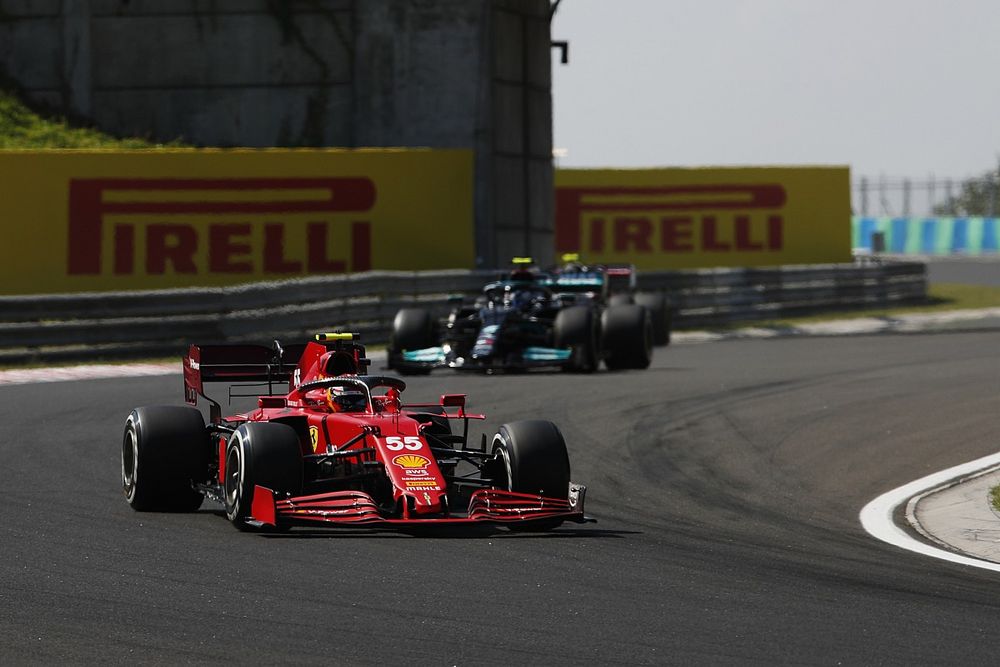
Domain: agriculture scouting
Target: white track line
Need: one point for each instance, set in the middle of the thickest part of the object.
(88, 372)
(876, 517)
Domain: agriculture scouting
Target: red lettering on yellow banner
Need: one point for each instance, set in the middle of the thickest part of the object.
(633, 234)
(124, 250)
(227, 251)
(167, 217)
(274, 251)
(173, 244)
(175, 248)
(719, 219)
(679, 233)
(675, 234)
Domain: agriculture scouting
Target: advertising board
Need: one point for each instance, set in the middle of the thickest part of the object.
(675, 218)
(117, 220)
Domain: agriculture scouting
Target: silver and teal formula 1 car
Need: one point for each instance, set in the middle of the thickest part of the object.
(527, 319)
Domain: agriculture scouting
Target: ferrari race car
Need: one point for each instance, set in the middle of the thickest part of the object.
(526, 319)
(339, 447)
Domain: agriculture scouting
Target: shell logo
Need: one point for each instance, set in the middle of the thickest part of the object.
(410, 461)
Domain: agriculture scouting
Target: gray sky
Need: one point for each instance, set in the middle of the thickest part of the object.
(893, 87)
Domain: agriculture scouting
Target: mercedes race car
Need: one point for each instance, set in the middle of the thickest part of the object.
(612, 285)
(526, 319)
(330, 445)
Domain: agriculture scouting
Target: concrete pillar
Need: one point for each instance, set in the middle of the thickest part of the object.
(522, 131)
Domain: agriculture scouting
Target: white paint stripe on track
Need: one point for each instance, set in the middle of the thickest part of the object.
(876, 517)
(90, 372)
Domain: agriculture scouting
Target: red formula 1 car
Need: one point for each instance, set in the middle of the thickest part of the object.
(339, 448)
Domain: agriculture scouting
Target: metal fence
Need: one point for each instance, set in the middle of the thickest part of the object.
(912, 197)
(145, 323)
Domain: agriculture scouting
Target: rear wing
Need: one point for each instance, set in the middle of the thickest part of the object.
(577, 276)
(584, 280)
(620, 277)
(256, 364)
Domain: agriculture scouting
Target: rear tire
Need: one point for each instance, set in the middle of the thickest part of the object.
(412, 329)
(534, 460)
(627, 337)
(260, 453)
(164, 449)
(659, 312)
(620, 299)
(575, 327)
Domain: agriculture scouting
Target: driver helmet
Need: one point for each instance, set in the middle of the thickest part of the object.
(522, 276)
(515, 296)
(340, 400)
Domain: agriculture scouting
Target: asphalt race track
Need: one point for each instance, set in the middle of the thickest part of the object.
(727, 481)
(966, 270)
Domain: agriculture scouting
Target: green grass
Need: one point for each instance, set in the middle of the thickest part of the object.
(23, 128)
(954, 296)
(995, 497)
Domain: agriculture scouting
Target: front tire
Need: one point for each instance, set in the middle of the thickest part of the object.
(164, 449)
(412, 329)
(260, 453)
(533, 459)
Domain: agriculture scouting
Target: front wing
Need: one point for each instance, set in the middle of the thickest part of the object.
(358, 508)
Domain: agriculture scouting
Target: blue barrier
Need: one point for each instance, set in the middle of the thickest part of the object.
(929, 236)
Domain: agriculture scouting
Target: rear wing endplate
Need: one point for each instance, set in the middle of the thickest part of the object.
(237, 364)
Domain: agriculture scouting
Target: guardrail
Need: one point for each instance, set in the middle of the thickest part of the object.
(162, 322)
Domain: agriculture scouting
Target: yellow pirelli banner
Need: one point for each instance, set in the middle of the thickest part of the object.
(118, 220)
(693, 218)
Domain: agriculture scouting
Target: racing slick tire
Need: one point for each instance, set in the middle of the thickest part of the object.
(576, 328)
(620, 299)
(412, 329)
(534, 460)
(164, 449)
(263, 453)
(659, 312)
(627, 337)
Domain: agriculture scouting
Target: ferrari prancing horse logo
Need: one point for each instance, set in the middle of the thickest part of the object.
(314, 437)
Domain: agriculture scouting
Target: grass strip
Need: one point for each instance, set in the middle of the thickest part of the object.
(942, 297)
(23, 128)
